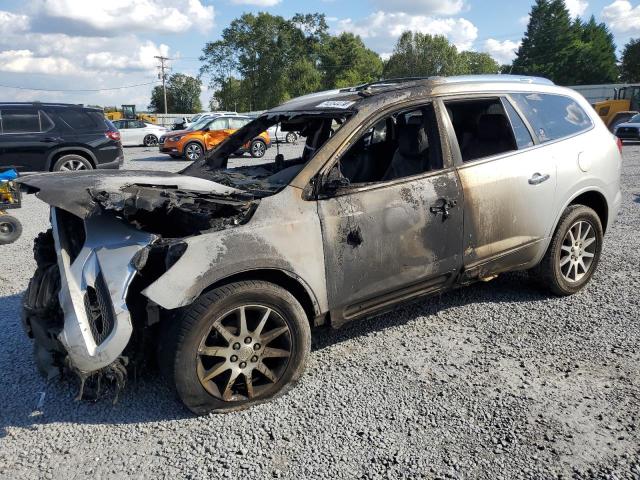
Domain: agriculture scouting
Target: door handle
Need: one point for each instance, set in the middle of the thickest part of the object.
(443, 208)
(538, 178)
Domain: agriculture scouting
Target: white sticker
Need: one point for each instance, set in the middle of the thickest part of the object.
(335, 104)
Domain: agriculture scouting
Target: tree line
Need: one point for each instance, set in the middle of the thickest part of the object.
(263, 60)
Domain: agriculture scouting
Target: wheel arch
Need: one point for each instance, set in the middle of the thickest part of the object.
(287, 280)
(83, 152)
(597, 202)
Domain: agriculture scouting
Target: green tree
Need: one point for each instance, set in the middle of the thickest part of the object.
(475, 63)
(183, 95)
(593, 55)
(346, 61)
(232, 95)
(422, 55)
(547, 44)
(630, 69)
(262, 49)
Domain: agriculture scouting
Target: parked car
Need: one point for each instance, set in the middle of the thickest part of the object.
(276, 134)
(135, 132)
(36, 137)
(207, 134)
(404, 189)
(181, 123)
(629, 130)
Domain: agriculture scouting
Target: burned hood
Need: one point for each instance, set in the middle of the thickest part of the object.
(82, 193)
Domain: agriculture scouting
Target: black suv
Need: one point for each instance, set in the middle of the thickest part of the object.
(54, 137)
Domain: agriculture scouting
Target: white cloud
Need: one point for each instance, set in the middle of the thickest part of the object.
(424, 7)
(622, 17)
(503, 52)
(576, 7)
(382, 29)
(112, 17)
(259, 3)
(11, 22)
(26, 61)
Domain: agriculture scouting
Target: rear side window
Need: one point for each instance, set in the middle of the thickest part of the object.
(552, 116)
(24, 121)
(482, 128)
(77, 119)
(520, 130)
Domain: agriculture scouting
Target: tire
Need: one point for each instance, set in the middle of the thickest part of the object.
(150, 140)
(291, 137)
(258, 148)
(10, 229)
(193, 151)
(554, 276)
(72, 163)
(183, 340)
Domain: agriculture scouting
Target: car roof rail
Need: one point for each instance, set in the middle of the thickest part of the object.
(53, 104)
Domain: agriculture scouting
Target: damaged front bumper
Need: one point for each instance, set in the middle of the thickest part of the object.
(95, 279)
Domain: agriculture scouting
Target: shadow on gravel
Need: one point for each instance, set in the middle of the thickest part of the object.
(508, 288)
(146, 399)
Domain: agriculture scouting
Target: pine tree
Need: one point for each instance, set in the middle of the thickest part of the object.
(546, 47)
(631, 62)
(593, 55)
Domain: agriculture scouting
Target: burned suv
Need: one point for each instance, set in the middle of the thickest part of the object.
(402, 189)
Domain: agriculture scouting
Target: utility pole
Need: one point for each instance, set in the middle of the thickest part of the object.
(163, 76)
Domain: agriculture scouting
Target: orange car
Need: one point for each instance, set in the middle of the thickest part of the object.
(207, 134)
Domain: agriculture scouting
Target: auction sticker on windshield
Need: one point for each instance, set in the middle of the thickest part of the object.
(335, 104)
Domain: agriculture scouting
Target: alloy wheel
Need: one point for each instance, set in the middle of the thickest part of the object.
(244, 353)
(258, 149)
(578, 251)
(194, 151)
(72, 166)
(150, 140)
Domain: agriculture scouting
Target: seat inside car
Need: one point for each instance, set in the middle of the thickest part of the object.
(492, 136)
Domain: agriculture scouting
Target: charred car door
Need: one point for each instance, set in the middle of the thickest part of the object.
(509, 182)
(390, 216)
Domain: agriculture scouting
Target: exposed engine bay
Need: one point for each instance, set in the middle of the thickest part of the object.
(115, 233)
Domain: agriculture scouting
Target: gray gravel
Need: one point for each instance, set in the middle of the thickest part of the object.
(493, 381)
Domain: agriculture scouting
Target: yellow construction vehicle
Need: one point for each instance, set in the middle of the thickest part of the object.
(128, 112)
(626, 104)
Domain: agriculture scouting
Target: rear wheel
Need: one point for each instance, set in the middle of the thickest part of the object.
(72, 163)
(236, 346)
(574, 252)
(150, 140)
(193, 151)
(258, 148)
(10, 229)
(291, 137)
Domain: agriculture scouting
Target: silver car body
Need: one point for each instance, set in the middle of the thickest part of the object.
(504, 221)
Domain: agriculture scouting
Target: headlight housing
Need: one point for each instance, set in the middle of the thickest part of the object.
(177, 138)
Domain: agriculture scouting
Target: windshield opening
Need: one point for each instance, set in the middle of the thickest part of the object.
(265, 155)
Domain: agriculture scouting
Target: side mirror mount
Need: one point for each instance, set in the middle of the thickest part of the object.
(335, 181)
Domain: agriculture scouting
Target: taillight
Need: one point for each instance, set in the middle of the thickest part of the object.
(619, 142)
(113, 135)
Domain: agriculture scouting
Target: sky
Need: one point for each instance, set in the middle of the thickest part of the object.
(90, 45)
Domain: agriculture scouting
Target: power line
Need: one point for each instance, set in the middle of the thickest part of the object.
(78, 90)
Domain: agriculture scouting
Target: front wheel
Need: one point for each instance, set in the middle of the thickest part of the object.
(574, 253)
(236, 346)
(258, 149)
(193, 151)
(10, 229)
(291, 137)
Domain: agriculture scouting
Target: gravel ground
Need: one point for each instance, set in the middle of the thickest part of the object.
(493, 381)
